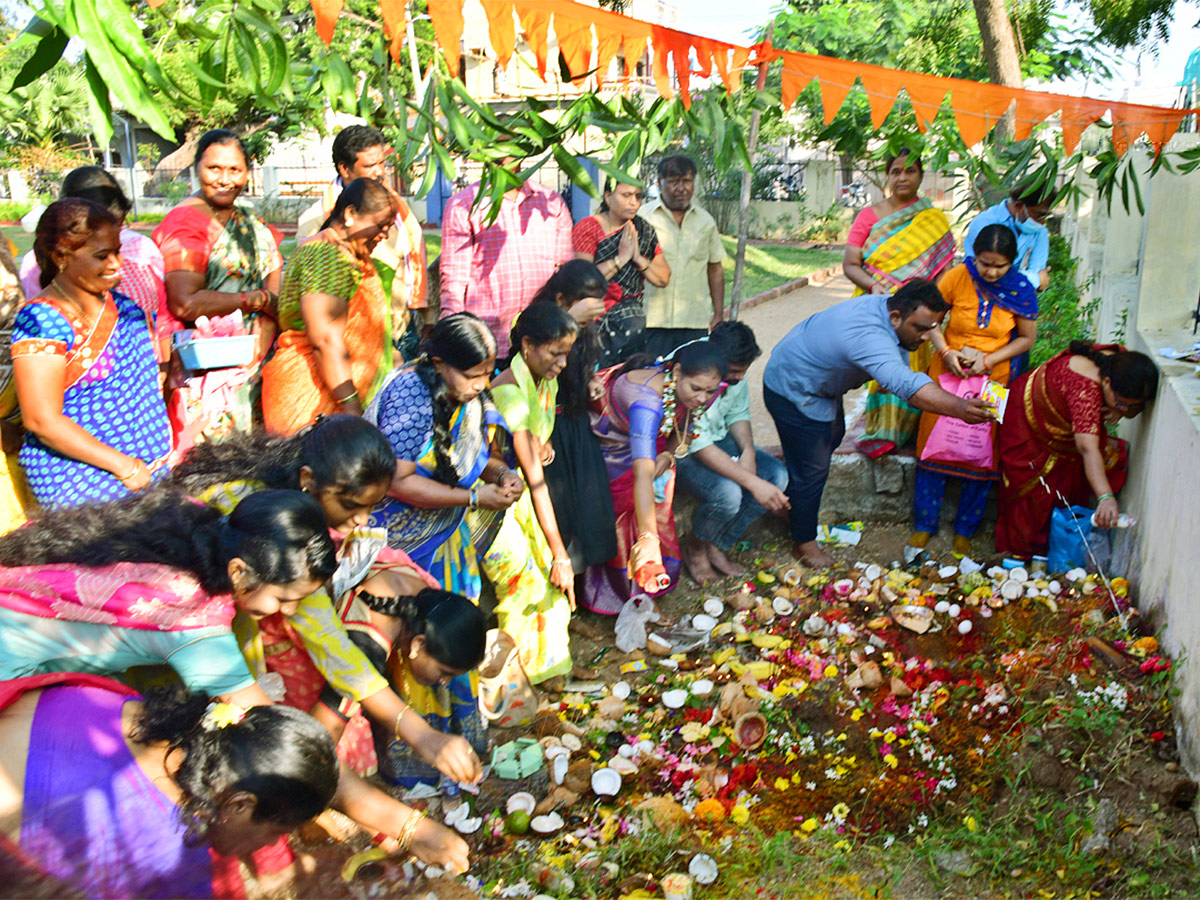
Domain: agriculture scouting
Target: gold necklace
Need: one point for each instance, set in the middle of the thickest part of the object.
(681, 445)
(75, 304)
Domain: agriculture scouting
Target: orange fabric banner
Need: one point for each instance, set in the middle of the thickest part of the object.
(502, 29)
(395, 14)
(327, 12)
(447, 19)
(678, 55)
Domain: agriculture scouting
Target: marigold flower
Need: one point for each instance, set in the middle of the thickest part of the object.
(831, 671)
(840, 811)
(810, 825)
(709, 810)
(782, 784)
(970, 822)
(891, 760)
(856, 715)
(739, 815)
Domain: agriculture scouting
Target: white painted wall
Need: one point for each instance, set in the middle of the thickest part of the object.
(1150, 265)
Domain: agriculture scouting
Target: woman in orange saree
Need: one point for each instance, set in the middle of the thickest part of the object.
(1054, 448)
(336, 343)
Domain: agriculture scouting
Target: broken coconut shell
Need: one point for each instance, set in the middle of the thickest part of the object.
(899, 688)
(559, 798)
(579, 776)
(659, 645)
(750, 731)
(865, 677)
(914, 618)
(611, 707)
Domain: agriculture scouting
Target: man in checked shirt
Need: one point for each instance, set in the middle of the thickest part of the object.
(494, 270)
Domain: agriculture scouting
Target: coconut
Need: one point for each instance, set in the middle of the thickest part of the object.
(559, 798)
(703, 868)
(843, 587)
(745, 600)
(572, 742)
(578, 776)
(714, 607)
(703, 622)
(783, 606)
(947, 572)
(791, 577)
(814, 626)
(1018, 574)
(559, 766)
(606, 782)
(867, 677)
(468, 825)
(873, 573)
(764, 613)
(663, 811)
(621, 766)
(914, 618)
(899, 688)
(547, 824)
(659, 645)
(1012, 590)
(674, 699)
(611, 707)
(520, 800)
(750, 731)
(1054, 588)
(621, 690)
(702, 687)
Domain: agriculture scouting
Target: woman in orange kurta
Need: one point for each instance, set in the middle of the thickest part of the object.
(992, 320)
(336, 345)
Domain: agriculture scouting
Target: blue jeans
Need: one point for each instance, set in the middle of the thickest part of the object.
(727, 509)
(808, 446)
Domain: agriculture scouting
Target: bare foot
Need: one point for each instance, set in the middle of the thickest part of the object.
(811, 554)
(696, 559)
(721, 562)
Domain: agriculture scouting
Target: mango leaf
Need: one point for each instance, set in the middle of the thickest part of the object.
(574, 169)
(49, 51)
(99, 105)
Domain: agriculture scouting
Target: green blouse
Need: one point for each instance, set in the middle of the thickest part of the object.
(527, 405)
(317, 267)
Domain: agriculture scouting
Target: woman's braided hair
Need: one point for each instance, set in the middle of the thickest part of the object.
(461, 341)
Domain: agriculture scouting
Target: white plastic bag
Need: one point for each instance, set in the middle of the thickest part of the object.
(631, 622)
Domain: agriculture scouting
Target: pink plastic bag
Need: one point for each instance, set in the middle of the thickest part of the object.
(953, 440)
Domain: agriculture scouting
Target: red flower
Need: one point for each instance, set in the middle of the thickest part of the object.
(697, 715)
(1158, 736)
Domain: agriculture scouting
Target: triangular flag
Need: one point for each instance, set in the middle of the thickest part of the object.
(833, 94)
(327, 12)
(926, 94)
(972, 127)
(502, 29)
(536, 24)
(882, 87)
(574, 42)
(395, 13)
(662, 44)
(633, 48)
(1160, 133)
(1031, 110)
(793, 83)
(447, 19)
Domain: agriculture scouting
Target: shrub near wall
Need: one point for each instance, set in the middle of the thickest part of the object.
(1063, 316)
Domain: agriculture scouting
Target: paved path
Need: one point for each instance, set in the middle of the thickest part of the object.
(771, 321)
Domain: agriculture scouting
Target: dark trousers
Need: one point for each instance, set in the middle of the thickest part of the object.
(808, 446)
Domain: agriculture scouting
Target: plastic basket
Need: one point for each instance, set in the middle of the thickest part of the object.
(218, 352)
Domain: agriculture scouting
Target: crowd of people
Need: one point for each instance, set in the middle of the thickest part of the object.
(212, 563)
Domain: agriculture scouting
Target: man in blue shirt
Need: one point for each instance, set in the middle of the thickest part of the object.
(1023, 212)
(835, 351)
(734, 480)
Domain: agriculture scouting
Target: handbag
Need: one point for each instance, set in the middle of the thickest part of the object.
(1069, 530)
(955, 441)
(507, 699)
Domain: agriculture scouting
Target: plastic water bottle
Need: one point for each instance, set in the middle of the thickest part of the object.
(1123, 521)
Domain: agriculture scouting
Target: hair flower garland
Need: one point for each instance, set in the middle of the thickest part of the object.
(221, 715)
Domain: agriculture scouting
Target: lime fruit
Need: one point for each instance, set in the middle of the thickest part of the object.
(517, 822)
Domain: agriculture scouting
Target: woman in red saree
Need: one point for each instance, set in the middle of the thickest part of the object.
(1054, 449)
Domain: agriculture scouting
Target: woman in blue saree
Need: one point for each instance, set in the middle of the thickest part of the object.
(447, 500)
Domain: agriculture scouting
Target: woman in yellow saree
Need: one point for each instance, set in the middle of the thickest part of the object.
(901, 238)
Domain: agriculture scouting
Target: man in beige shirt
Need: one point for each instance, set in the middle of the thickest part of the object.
(694, 301)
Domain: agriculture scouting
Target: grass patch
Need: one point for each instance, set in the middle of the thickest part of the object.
(769, 266)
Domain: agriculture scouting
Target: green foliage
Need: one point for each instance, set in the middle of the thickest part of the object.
(1062, 315)
(13, 210)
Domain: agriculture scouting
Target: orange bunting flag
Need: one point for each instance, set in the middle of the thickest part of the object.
(447, 19)
(676, 55)
(502, 29)
(395, 13)
(327, 12)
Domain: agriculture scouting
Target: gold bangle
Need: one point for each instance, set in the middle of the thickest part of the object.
(132, 472)
(396, 727)
(404, 838)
